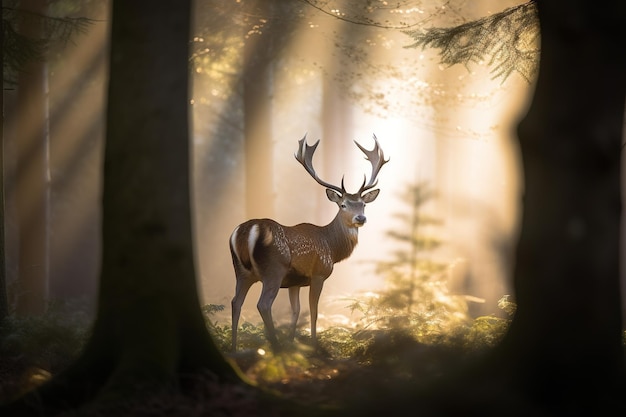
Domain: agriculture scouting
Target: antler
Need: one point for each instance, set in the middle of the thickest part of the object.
(377, 159)
(305, 157)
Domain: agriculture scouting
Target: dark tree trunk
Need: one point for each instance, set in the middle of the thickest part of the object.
(149, 331)
(565, 342)
(4, 302)
(563, 354)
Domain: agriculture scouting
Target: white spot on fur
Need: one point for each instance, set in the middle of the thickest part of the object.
(253, 235)
(281, 242)
(303, 246)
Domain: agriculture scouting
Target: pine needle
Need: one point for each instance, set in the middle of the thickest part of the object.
(507, 41)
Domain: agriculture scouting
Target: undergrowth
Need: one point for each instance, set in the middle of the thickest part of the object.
(404, 345)
(34, 348)
(346, 365)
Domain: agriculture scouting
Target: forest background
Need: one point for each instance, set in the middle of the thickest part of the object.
(359, 80)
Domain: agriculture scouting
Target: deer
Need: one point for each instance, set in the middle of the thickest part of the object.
(301, 255)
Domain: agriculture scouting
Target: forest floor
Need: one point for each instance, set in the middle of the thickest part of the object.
(350, 368)
(345, 368)
(361, 371)
(350, 372)
(299, 374)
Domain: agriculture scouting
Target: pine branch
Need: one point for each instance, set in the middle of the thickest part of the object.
(507, 41)
(18, 49)
(64, 29)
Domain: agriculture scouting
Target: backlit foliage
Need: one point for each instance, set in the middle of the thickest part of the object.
(416, 296)
(406, 348)
(508, 41)
(486, 331)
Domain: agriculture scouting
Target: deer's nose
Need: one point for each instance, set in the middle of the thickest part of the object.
(360, 219)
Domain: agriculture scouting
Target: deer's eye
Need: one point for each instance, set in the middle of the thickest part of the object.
(343, 205)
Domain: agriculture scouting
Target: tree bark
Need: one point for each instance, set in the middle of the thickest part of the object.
(565, 341)
(4, 301)
(149, 332)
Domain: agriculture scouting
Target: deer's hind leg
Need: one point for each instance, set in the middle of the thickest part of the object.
(272, 274)
(270, 260)
(268, 295)
(244, 282)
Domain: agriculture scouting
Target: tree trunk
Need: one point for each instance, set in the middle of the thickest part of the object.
(32, 176)
(4, 302)
(565, 342)
(563, 354)
(336, 149)
(149, 332)
(257, 112)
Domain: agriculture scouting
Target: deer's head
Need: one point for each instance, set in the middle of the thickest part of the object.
(351, 206)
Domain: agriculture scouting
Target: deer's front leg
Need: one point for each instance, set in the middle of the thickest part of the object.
(314, 297)
(294, 300)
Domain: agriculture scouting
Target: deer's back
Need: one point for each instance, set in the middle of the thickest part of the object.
(302, 249)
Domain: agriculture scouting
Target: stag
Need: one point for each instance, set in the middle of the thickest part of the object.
(302, 255)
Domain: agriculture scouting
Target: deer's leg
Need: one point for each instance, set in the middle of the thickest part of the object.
(268, 295)
(294, 300)
(314, 298)
(241, 290)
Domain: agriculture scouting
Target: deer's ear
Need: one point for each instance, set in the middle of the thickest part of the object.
(333, 196)
(370, 196)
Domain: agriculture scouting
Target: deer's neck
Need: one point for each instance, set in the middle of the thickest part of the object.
(341, 239)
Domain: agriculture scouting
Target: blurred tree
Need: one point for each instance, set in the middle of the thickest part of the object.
(260, 29)
(149, 332)
(565, 344)
(4, 301)
(28, 32)
(416, 295)
(32, 180)
(413, 273)
(564, 352)
(260, 54)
